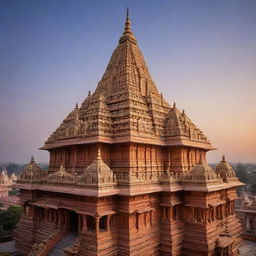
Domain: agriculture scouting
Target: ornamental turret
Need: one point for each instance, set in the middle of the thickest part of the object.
(32, 173)
(201, 178)
(226, 172)
(98, 175)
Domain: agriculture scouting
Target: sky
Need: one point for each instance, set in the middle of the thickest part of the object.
(201, 55)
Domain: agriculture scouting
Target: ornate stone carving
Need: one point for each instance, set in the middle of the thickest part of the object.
(178, 124)
(225, 170)
(202, 173)
(62, 177)
(126, 102)
(151, 194)
(97, 175)
(32, 173)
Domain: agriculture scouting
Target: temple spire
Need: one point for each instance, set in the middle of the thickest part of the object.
(127, 29)
(127, 34)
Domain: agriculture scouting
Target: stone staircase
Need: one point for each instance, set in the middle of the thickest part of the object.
(66, 241)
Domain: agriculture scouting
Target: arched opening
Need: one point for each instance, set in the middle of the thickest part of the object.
(73, 221)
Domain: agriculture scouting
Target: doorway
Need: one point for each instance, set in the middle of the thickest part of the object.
(73, 221)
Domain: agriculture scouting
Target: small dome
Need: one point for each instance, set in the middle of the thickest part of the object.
(225, 170)
(98, 174)
(31, 172)
(201, 172)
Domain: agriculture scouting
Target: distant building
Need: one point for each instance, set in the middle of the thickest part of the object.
(128, 176)
(14, 177)
(246, 212)
(5, 184)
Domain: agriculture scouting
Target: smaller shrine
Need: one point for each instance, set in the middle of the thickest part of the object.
(6, 182)
(246, 212)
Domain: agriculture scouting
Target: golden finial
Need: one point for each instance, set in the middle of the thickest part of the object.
(127, 34)
(99, 153)
(127, 29)
(223, 158)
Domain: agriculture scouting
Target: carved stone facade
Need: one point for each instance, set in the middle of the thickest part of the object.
(128, 172)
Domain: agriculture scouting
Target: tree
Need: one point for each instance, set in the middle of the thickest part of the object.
(242, 173)
(10, 217)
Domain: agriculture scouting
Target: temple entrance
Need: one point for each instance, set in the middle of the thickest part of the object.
(73, 221)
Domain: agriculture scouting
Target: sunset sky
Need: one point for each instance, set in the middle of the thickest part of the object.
(201, 54)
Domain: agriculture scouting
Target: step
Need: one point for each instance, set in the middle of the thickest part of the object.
(64, 242)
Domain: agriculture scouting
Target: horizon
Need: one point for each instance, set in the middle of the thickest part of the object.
(200, 55)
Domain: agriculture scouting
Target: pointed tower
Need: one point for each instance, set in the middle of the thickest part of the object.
(126, 106)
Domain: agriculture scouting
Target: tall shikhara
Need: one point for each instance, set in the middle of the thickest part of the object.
(128, 176)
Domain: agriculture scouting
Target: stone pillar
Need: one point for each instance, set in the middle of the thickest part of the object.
(84, 228)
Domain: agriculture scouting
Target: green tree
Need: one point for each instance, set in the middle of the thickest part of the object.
(10, 217)
(242, 174)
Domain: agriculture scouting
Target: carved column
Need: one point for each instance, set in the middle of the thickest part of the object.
(84, 227)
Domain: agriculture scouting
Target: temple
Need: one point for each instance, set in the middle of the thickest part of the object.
(6, 182)
(128, 176)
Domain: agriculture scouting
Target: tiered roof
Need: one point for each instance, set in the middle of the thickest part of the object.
(127, 107)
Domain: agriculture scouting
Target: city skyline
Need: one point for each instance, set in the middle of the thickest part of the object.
(200, 55)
